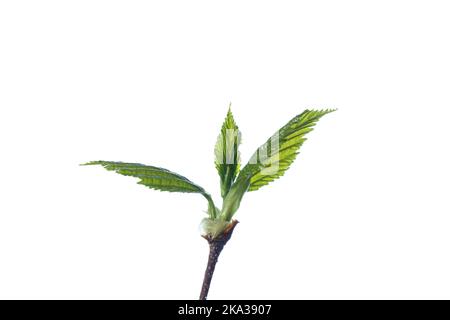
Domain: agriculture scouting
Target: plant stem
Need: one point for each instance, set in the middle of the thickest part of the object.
(215, 248)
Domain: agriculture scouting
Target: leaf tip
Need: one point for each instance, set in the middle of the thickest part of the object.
(90, 163)
(328, 110)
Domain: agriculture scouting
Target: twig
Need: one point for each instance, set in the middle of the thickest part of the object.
(215, 248)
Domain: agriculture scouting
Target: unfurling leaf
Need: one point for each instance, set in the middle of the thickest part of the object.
(158, 178)
(274, 157)
(226, 151)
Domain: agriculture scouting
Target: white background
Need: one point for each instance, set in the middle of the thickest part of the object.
(363, 212)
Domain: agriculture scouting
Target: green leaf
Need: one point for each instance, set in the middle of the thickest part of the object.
(158, 178)
(274, 157)
(232, 200)
(227, 158)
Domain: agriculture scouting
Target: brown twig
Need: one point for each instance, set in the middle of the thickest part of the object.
(215, 248)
